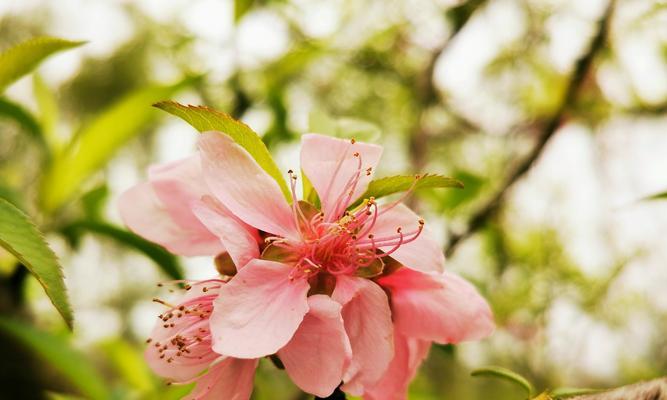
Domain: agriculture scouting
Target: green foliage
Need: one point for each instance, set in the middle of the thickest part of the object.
(47, 106)
(564, 392)
(657, 196)
(506, 374)
(128, 363)
(98, 141)
(24, 57)
(20, 236)
(59, 355)
(166, 261)
(400, 183)
(241, 7)
(24, 118)
(205, 119)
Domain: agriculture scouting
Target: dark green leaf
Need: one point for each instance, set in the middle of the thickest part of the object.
(98, 141)
(506, 374)
(205, 119)
(20, 236)
(657, 196)
(24, 57)
(12, 110)
(166, 261)
(57, 353)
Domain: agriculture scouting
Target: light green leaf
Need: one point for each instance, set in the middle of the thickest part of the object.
(162, 258)
(241, 7)
(24, 57)
(206, 119)
(47, 106)
(19, 236)
(58, 354)
(98, 141)
(129, 364)
(400, 183)
(565, 392)
(506, 374)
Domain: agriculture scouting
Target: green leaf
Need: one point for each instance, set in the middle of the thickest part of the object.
(205, 119)
(400, 183)
(15, 111)
(657, 196)
(241, 7)
(506, 374)
(98, 141)
(57, 352)
(24, 57)
(130, 365)
(164, 260)
(565, 392)
(47, 105)
(20, 236)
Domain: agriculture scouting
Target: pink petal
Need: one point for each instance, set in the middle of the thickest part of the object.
(319, 352)
(422, 254)
(176, 185)
(409, 353)
(166, 362)
(258, 311)
(368, 324)
(148, 217)
(444, 308)
(229, 379)
(238, 238)
(243, 186)
(330, 163)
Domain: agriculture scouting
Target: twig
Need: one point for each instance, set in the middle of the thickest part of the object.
(581, 71)
(651, 390)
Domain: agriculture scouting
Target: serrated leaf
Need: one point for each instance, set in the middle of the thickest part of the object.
(206, 119)
(162, 258)
(400, 183)
(60, 356)
(565, 392)
(98, 141)
(505, 374)
(24, 57)
(20, 236)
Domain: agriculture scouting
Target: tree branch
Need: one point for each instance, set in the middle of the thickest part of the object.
(581, 71)
(651, 390)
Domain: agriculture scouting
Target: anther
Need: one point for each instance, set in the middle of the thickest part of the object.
(353, 141)
(149, 340)
(356, 154)
(399, 229)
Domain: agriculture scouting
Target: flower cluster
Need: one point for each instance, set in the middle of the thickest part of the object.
(342, 292)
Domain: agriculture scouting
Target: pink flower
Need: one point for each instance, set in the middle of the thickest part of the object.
(180, 347)
(312, 259)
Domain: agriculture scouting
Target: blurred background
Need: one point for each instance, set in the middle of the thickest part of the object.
(551, 112)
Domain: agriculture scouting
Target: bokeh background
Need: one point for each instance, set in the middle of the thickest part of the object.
(551, 112)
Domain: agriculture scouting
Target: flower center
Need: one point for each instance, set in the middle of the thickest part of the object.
(343, 242)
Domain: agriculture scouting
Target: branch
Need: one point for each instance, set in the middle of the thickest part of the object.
(651, 390)
(581, 71)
